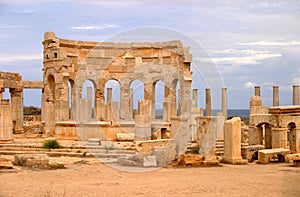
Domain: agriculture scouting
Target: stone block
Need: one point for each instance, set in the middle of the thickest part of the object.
(248, 152)
(5, 163)
(190, 160)
(160, 154)
(150, 161)
(29, 160)
(125, 136)
(264, 156)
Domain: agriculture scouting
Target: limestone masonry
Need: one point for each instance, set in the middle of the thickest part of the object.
(97, 118)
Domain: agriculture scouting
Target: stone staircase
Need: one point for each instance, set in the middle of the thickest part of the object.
(89, 149)
(219, 147)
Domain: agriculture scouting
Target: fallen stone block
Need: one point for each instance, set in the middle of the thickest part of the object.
(251, 152)
(31, 160)
(293, 157)
(190, 160)
(150, 161)
(125, 137)
(5, 163)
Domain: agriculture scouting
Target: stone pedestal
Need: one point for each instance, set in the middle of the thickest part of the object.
(6, 125)
(232, 142)
(279, 137)
(142, 127)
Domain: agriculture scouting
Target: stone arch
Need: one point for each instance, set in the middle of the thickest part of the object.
(291, 136)
(159, 98)
(264, 134)
(50, 88)
(88, 93)
(112, 96)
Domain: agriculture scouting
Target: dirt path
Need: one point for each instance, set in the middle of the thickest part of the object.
(101, 180)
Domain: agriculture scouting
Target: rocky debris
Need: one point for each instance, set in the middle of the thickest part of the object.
(293, 157)
(29, 160)
(189, 160)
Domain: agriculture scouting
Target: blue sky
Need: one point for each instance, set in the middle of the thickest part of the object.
(250, 42)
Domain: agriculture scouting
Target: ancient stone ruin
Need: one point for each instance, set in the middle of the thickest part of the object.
(158, 139)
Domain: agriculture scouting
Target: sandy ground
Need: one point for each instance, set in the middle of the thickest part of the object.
(96, 179)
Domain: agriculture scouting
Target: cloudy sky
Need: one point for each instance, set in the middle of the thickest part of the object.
(250, 42)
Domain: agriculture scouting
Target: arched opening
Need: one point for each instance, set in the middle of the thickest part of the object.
(264, 134)
(70, 97)
(6, 94)
(51, 89)
(137, 93)
(291, 136)
(88, 98)
(112, 99)
(159, 99)
(178, 111)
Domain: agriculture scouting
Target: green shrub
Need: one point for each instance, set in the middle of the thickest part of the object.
(20, 161)
(51, 144)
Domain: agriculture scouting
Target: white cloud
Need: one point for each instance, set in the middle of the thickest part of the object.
(271, 43)
(14, 58)
(9, 26)
(254, 59)
(250, 84)
(94, 27)
(25, 11)
(296, 80)
(242, 57)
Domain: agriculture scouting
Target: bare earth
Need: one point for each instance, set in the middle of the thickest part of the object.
(96, 179)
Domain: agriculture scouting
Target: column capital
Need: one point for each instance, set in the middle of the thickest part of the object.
(16, 92)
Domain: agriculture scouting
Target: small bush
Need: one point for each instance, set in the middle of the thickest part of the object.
(20, 161)
(51, 144)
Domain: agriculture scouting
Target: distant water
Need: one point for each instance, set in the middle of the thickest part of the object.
(244, 113)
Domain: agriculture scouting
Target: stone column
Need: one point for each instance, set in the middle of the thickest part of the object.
(297, 140)
(149, 94)
(279, 137)
(131, 102)
(100, 105)
(232, 142)
(295, 95)
(224, 102)
(89, 103)
(108, 104)
(17, 109)
(275, 96)
(6, 126)
(257, 91)
(195, 97)
(208, 102)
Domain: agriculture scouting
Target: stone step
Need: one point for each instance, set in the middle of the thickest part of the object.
(38, 149)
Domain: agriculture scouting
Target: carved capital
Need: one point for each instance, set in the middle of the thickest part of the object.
(15, 92)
